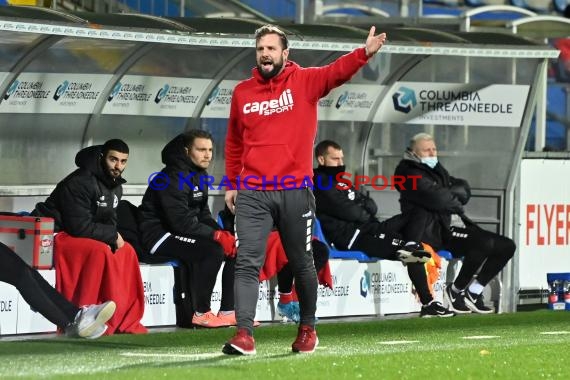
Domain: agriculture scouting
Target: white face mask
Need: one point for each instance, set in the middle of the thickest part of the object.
(429, 161)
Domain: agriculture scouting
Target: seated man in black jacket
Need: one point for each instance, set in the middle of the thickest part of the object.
(435, 210)
(176, 222)
(348, 219)
(89, 252)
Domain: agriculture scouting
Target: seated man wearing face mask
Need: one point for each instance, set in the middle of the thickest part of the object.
(435, 216)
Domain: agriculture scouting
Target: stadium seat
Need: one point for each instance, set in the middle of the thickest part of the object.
(337, 254)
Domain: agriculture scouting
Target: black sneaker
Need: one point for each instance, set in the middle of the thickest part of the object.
(413, 252)
(456, 301)
(435, 309)
(476, 304)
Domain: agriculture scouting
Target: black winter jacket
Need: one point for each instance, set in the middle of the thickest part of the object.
(182, 207)
(341, 211)
(84, 203)
(430, 205)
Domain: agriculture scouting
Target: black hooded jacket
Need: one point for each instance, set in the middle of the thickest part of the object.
(342, 210)
(436, 197)
(180, 207)
(84, 203)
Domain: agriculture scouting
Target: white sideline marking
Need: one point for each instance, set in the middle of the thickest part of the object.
(481, 337)
(392, 342)
(555, 332)
(179, 356)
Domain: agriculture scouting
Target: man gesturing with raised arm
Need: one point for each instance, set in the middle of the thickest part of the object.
(269, 159)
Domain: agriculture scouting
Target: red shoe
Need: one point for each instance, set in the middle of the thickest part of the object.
(306, 341)
(241, 344)
(209, 320)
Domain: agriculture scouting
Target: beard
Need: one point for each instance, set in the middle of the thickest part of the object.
(115, 173)
(277, 66)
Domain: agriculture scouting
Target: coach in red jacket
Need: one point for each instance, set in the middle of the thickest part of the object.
(269, 159)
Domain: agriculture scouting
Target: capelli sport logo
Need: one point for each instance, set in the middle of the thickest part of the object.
(404, 99)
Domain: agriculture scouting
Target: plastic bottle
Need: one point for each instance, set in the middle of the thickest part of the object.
(553, 292)
(566, 293)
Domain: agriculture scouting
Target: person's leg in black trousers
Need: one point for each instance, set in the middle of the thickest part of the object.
(86, 322)
(205, 258)
(288, 305)
(484, 254)
(35, 290)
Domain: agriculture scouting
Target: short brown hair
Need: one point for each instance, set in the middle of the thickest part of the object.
(272, 29)
(193, 134)
(323, 146)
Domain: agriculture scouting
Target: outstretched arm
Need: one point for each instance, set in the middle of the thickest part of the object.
(374, 43)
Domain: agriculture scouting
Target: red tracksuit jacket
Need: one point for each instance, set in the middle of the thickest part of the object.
(273, 123)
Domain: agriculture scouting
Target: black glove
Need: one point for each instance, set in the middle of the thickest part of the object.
(461, 189)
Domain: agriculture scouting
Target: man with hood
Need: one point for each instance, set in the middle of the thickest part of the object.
(269, 163)
(348, 219)
(176, 222)
(93, 263)
(435, 207)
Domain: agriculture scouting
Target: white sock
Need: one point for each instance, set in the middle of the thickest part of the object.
(476, 287)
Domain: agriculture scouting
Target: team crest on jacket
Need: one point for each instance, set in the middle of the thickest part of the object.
(101, 201)
(196, 192)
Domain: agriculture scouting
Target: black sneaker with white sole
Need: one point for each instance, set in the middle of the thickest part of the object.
(456, 301)
(476, 303)
(435, 309)
(413, 252)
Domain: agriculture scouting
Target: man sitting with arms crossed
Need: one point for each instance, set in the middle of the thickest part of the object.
(348, 219)
(430, 207)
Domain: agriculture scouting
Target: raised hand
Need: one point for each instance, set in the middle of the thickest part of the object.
(374, 43)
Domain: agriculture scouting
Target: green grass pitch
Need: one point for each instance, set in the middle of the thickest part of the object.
(523, 345)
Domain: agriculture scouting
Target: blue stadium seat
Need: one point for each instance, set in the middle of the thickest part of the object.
(335, 253)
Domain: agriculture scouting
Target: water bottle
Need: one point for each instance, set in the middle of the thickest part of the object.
(554, 288)
(566, 292)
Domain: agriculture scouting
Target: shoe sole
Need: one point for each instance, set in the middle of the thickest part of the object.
(450, 305)
(104, 315)
(413, 257)
(474, 308)
(232, 349)
(97, 334)
(307, 352)
(199, 326)
(437, 315)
